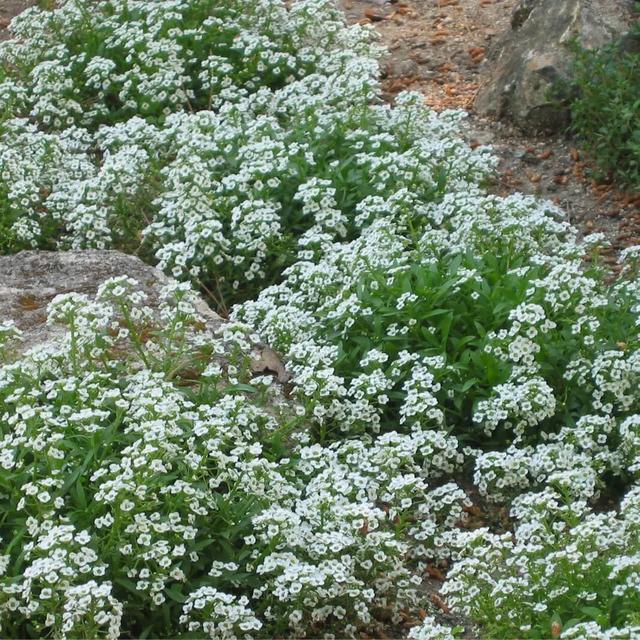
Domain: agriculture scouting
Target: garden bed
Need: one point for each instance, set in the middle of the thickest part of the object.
(450, 391)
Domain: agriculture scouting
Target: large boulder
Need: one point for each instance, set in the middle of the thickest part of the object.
(29, 280)
(531, 63)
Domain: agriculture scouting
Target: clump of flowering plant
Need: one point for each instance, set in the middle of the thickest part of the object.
(87, 89)
(104, 62)
(473, 314)
(229, 199)
(122, 456)
(567, 571)
(151, 483)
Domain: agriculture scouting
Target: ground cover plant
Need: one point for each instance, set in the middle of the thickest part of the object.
(605, 111)
(147, 490)
(104, 62)
(444, 344)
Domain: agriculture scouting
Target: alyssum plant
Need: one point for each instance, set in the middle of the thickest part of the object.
(151, 486)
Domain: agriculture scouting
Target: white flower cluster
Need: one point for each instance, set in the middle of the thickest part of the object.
(155, 486)
(222, 614)
(99, 63)
(335, 561)
(230, 197)
(430, 629)
(565, 566)
(441, 316)
(101, 79)
(138, 448)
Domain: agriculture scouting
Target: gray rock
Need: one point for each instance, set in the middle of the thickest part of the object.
(521, 12)
(530, 65)
(403, 68)
(29, 280)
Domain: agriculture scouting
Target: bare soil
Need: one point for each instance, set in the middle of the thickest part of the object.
(439, 47)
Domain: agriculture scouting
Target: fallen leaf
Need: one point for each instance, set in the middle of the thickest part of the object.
(373, 15)
(440, 603)
(435, 573)
(534, 177)
(29, 303)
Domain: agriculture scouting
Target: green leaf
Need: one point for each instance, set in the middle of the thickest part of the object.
(175, 594)
(468, 384)
(445, 327)
(127, 584)
(592, 612)
(79, 496)
(248, 388)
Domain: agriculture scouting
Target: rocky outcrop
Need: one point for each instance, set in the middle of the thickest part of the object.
(29, 280)
(530, 66)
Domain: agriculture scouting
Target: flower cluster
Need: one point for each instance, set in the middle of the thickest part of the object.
(143, 468)
(230, 198)
(108, 61)
(470, 321)
(333, 560)
(566, 571)
(436, 337)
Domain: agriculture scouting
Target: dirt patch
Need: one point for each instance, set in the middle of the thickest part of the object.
(438, 47)
(435, 46)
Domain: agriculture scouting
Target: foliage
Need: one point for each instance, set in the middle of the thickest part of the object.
(477, 318)
(151, 486)
(566, 572)
(101, 63)
(606, 110)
